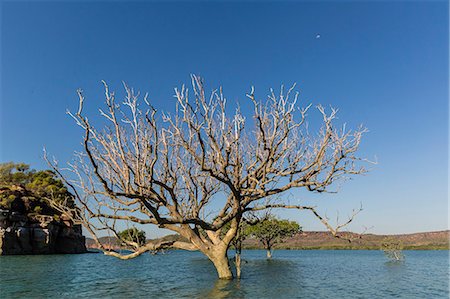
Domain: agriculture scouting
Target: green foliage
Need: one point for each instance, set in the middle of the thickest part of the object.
(272, 231)
(32, 188)
(45, 184)
(133, 235)
(14, 174)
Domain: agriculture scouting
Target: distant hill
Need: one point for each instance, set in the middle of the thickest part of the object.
(324, 240)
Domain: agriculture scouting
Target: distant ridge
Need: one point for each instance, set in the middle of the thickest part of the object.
(324, 240)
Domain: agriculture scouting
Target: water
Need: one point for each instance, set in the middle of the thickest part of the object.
(181, 274)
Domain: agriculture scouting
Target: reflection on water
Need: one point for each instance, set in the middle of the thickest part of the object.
(277, 275)
(395, 267)
(179, 274)
(223, 289)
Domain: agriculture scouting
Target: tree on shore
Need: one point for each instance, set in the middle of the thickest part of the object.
(26, 190)
(132, 237)
(272, 231)
(168, 169)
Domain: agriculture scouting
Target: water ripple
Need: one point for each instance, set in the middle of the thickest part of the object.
(179, 274)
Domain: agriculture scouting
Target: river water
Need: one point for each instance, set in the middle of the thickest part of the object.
(181, 274)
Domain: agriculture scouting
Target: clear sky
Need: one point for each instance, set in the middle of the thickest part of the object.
(383, 64)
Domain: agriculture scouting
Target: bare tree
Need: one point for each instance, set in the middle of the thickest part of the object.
(175, 170)
(393, 249)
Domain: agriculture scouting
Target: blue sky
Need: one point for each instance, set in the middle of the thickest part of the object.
(383, 64)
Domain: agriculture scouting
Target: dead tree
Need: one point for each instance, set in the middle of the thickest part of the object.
(172, 170)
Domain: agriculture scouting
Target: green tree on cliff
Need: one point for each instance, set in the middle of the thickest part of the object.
(272, 231)
(28, 190)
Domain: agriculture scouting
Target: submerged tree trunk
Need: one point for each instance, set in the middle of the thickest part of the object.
(238, 265)
(222, 265)
(269, 253)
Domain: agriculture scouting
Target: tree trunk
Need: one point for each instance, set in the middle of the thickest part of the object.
(220, 261)
(238, 265)
(269, 253)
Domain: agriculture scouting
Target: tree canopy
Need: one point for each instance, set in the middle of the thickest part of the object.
(272, 231)
(29, 190)
(132, 236)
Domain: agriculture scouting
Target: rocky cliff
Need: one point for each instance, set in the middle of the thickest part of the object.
(29, 226)
(38, 234)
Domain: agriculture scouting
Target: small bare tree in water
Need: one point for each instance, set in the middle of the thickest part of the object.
(393, 249)
(173, 170)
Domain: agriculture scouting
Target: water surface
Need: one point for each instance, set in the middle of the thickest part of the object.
(181, 274)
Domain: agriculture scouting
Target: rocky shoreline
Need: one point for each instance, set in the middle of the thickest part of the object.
(38, 234)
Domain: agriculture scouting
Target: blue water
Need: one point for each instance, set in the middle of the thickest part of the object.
(180, 274)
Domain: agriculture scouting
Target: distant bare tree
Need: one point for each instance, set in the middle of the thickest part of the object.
(393, 249)
(168, 171)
